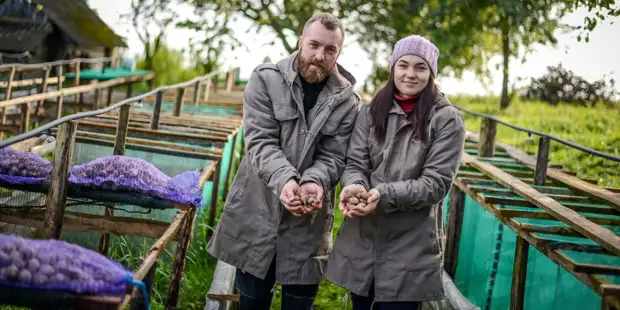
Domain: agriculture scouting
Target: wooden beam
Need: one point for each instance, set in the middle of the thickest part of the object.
(31, 82)
(593, 281)
(73, 90)
(82, 222)
(585, 188)
(599, 234)
(59, 98)
(519, 271)
(196, 93)
(57, 193)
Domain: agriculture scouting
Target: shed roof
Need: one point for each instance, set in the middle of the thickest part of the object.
(19, 35)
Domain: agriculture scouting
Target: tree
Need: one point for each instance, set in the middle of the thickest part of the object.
(214, 35)
(146, 15)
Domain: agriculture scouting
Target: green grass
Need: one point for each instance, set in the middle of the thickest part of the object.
(597, 128)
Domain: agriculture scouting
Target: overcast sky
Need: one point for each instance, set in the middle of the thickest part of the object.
(591, 60)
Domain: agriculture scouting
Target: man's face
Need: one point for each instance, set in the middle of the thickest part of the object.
(319, 49)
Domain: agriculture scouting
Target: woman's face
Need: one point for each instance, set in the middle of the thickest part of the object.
(411, 75)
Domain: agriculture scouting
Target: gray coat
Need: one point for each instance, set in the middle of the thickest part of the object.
(282, 143)
(400, 244)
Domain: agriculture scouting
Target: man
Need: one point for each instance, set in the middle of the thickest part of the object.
(298, 116)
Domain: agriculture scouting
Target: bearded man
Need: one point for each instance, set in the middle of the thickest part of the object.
(298, 116)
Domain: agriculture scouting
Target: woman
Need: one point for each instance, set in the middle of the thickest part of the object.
(404, 153)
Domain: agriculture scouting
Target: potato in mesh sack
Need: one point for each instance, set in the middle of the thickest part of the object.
(121, 173)
(17, 167)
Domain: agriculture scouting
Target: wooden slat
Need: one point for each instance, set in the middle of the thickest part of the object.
(601, 235)
(592, 281)
(31, 82)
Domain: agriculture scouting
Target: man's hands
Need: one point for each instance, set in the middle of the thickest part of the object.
(355, 201)
(301, 200)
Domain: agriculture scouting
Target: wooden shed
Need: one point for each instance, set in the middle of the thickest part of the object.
(54, 29)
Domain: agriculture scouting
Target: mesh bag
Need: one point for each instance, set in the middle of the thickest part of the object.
(17, 167)
(121, 173)
(57, 265)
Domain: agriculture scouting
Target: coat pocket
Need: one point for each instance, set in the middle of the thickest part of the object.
(284, 112)
(330, 128)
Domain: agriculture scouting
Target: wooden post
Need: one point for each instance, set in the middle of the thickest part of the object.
(57, 194)
(110, 93)
(178, 265)
(229, 80)
(542, 161)
(488, 131)
(455, 223)
(229, 174)
(207, 89)
(76, 82)
(25, 121)
(7, 97)
(119, 149)
(59, 99)
(196, 92)
(517, 292)
(178, 105)
(129, 90)
(215, 177)
(138, 302)
(159, 98)
(97, 99)
(43, 89)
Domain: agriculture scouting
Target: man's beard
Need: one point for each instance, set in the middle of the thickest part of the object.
(315, 74)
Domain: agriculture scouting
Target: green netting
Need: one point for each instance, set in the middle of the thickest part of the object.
(199, 110)
(486, 260)
(107, 74)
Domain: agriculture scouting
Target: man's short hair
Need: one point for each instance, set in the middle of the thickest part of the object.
(328, 20)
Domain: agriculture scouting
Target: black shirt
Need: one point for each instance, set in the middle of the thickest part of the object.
(311, 92)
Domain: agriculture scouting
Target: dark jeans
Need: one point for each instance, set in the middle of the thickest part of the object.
(368, 303)
(256, 294)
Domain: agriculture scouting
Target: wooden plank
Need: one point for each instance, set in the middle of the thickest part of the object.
(592, 281)
(222, 287)
(488, 132)
(212, 154)
(575, 206)
(178, 128)
(455, 224)
(57, 193)
(72, 90)
(583, 187)
(601, 235)
(519, 271)
(82, 222)
(203, 140)
(32, 82)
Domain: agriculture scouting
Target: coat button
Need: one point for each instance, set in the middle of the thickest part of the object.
(433, 234)
(303, 132)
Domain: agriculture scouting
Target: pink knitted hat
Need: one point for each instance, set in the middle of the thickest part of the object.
(419, 46)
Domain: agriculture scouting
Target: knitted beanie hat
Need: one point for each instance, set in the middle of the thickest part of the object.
(418, 46)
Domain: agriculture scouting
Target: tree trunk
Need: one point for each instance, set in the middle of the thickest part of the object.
(504, 103)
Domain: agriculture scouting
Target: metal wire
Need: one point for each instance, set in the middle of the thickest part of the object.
(542, 134)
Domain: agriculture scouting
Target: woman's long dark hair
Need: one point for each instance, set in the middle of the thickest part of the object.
(381, 105)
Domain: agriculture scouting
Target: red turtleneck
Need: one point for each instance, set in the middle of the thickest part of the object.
(407, 104)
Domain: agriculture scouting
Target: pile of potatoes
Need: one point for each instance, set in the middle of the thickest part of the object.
(358, 201)
(307, 201)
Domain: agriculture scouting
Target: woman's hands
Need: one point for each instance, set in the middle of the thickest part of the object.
(355, 201)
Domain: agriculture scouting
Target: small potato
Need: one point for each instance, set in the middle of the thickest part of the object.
(360, 205)
(353, 200)
(363, 195)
